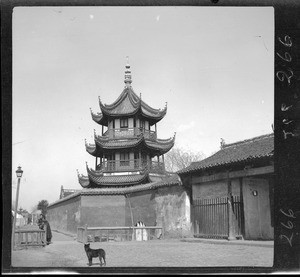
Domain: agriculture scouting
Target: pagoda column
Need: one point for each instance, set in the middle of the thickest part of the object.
(96, 163)
(140, 158)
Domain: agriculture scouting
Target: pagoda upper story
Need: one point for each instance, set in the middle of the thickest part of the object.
(127, 152)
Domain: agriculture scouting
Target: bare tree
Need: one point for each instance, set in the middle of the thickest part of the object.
(179, 158)
(42, 205)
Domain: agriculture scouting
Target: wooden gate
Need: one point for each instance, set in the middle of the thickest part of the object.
(211, 217)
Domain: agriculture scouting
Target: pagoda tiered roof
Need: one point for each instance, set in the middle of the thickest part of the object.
(128, 104)
(96, 179)
(104, 144)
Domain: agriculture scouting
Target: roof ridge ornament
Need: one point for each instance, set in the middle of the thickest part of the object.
(222, 143)
(127, 79)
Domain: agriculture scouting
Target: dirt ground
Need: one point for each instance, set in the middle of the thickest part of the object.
(65, 252)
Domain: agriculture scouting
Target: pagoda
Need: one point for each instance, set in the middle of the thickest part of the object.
(127, 153)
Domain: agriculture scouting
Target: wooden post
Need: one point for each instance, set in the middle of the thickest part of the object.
(131, 215)
(231, 232)
(140, 159)
(15, 215)
(85, 234)
(242, 208)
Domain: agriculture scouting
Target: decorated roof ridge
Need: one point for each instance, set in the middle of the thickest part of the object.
(137, 105)
(130, 142)
(127, 92)
(161, 112)
(260, 147)
(168, 140)
(114, 180)
(90, 147)
(168, 181)
(248, 140)
(96, 116)
(118, 143)
(97, 173)
(120, 190)
(82, 179)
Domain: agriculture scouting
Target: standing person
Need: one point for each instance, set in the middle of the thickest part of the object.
(43, 223)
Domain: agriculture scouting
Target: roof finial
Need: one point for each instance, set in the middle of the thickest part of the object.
(127, 80)
(222, 143)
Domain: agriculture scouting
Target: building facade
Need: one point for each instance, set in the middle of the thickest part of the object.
(232, 191)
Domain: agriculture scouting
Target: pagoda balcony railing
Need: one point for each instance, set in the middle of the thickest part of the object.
(129, 133)
(132, 165)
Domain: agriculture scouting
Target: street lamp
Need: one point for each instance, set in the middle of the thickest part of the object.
(19, 173)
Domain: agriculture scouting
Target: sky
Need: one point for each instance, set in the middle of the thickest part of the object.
(214, 66)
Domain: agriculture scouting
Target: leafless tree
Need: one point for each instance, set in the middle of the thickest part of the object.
(179, 158)
(42, 205)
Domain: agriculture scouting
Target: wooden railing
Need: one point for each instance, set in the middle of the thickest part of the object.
(130, 132)
(131, 165)
(28, 238)
(94, 234)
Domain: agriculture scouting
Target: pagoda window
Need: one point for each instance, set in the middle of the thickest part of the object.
(124, 123)
(109, 162)
(144, 159)
(124, 159)
(142, 124)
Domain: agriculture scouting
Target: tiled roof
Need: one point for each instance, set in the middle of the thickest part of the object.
(128, 103)
(163, 182)
(242, 151)
(96, 178)
(103, 143)
(170, 181)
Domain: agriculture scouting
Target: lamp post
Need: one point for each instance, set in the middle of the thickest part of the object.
(19, 173)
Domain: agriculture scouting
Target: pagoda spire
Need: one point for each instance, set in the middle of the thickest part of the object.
(127, 80)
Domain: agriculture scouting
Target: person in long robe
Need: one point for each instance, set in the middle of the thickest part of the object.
(43, 223)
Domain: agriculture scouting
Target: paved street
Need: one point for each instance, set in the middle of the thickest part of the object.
(67, 252)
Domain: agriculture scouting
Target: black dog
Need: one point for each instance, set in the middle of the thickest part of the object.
(94, 253)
